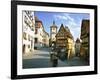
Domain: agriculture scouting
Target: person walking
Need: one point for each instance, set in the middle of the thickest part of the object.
(54, 59)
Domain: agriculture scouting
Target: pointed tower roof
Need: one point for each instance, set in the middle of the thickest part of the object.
(61, 30)
(77, 40)
(53, 25)
(53, 22)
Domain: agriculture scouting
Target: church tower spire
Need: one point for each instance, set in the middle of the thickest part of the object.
(53, 22)
(53, 32)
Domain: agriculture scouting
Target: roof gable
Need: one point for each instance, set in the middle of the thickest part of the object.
(64, 31)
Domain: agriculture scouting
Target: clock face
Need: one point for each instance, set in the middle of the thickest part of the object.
(53, 29)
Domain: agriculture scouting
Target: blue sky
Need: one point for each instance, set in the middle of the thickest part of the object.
(72, 20)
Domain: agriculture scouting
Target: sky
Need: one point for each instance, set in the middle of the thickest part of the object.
(71, 20)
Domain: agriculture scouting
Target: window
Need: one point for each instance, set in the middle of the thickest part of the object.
(29, 37)
(36, 40)
(53, 28)
(36, 24)
(53, 32)
(32, 28)
(25, 19)
(24, 36)
(24, 48)
(36, 31)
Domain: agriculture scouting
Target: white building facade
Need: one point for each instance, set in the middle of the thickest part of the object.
(41, 36)
(46, 39)
(28, 32)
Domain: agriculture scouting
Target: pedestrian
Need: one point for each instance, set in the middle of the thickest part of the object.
(51, 53)
(54, 59)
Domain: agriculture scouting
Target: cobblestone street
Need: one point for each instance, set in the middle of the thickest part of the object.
(41, 59)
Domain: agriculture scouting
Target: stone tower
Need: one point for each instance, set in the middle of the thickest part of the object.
(53, 32)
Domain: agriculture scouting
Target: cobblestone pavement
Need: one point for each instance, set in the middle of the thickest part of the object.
(41, 59)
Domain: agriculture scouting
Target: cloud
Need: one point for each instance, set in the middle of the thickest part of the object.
(74, 29)
(64, 16)
(68, 17)
(60, 17)
(75, 32)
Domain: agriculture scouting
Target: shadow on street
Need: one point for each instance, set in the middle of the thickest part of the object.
(36, 63)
